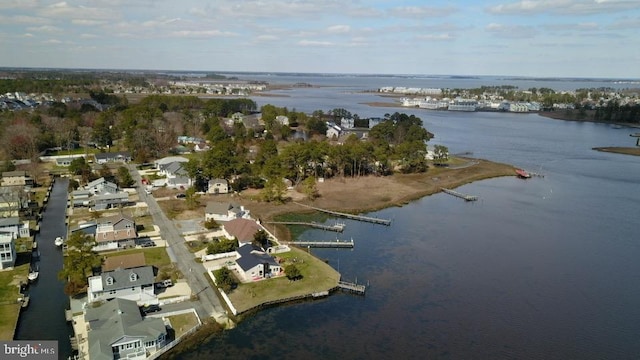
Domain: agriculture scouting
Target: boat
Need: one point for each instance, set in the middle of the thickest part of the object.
(33, 274)
(59, 241)
(522, 174)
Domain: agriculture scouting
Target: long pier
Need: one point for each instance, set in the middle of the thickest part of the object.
(460, 195)
(352, 287)
(350, 216)
(338, 227)
(324, 244)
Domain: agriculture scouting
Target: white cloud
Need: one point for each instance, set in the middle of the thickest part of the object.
(45, 28)
(52, 41)
(267, 38)
(22, 19)
(86, 22)
(18, 4)
(314, 43)
(88, 36)
(511, 31)
(436, 37)
(27, 35)
(63, 10)
(338, 29)
(565, 7)
(421, 11)
(200, 33)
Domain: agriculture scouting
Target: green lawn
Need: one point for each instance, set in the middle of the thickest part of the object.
(183, 323)
(317, 276)
(156, 256)
(9, 293)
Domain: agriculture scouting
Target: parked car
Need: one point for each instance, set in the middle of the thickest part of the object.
(148, 244)
(150, 308)
(165, 284)
(181, 196)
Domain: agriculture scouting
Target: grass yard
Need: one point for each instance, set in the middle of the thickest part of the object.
(183, 323)
(9, 294)
(317, 276)
(157, 257)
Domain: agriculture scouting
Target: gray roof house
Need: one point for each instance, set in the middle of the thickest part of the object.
(122, 156)
(115, 232)
(133, 284)
(101, 186)
(81, 197)
(160, 164)
(117, 330)
(224, 211)
(12, 178)
(109, 201)
(254, 264)
(13, 226)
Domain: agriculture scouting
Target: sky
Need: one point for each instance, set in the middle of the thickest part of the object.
(546, 38)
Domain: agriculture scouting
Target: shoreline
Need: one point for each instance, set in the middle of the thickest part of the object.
(633, 151)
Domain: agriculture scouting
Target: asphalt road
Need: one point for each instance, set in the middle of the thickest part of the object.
(193, 272)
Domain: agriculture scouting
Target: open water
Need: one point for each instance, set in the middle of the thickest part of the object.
(544, 268)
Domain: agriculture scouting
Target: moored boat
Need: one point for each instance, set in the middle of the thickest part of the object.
(33, 274)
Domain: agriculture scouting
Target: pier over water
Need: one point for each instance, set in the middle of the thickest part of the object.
(350, 216)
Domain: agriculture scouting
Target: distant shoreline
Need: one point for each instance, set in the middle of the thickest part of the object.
(634, 151)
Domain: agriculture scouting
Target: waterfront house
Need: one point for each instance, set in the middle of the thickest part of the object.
(121, 157)
(282, 120)
(128, 261)
(241, 229)
(81, 197)
(218, 186)
(115, 232)
(101, 186)
(16, 178)
(224, 211)
(254, 264)
(136, 284)
(109, 201)
(333, 131)
(7, 250)
(117, 330)
(12, 200)
(13, 226)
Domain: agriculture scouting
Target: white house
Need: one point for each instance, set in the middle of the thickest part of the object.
(101, 186)
(224, 211)
(254, 264)
(160, 164)
(347, 123)
(134, 284)
(13, 226)
(282, 120)
(333, 131)
(117, 330)
(115, 232)
(7, 251)
(218, 186)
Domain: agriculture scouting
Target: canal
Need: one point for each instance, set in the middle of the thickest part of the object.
(44, 318)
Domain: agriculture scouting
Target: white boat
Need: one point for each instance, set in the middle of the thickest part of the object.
(59, 241)
(33, 274)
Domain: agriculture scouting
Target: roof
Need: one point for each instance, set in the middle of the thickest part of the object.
(100, 181)
(251, 256)
(122, 278)
(12, 221)
(242, 229)
(175, 168)
(218, 181)
(114, 155)
(17, 173)
(221, 208)
(170, 159)
(108, 196)
(115, 320)
(124, 262)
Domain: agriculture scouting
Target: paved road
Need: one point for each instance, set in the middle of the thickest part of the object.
(193, 272)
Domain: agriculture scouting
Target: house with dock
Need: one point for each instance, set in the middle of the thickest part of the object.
(7, 251)
(224, 211)
(115, 232)
(135, 284)
(253, 264)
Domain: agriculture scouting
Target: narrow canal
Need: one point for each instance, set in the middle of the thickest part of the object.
(44, 318)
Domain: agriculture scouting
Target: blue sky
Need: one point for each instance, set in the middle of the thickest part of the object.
(558, 38)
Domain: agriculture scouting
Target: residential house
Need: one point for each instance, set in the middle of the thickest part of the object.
(7, 251)
(333, 131)
(224, 211)
(101, 186)
(160, 164)
(117, 330)
(14, 227)
(81, 197)
(64, 161)
(12, 200)
(241, 229)
(121, 157)
(109, 201)
(115, 232)
(189, 140)
(374, 121)
(177, 176)
(201, 146)
(347, 123)
(237, 117)
(218, 186)
(254, 264)
(16, 178)
(136, 284)
(87, 227)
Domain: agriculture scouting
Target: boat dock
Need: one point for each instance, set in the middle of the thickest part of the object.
(350, 216)
(338, 227)
(324, 244)
(352, 287)
(460, 195)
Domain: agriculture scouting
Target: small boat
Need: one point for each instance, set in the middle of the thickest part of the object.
(33, 274)
(59, 241)
(522, 174)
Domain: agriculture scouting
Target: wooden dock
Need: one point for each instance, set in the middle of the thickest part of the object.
(352, 287)
(324, 244)
(350, 216)
(460, 195)
(338, 227)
